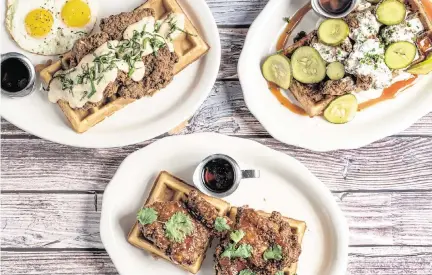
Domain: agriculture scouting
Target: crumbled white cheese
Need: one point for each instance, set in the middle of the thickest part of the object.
(363, 5)
(405, 31)
(368, 26)
(367, 59)
(332, 53)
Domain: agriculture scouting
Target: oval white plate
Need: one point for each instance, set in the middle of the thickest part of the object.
(285, 185)
(139, 121)
(372, 124)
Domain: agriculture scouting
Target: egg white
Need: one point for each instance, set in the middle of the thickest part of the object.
(59, 40)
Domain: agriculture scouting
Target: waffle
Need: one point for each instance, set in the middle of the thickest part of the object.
(315, 108)
(170, 188)
(299, 226)
(188, 48)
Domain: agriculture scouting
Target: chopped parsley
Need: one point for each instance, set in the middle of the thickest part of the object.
(273, 253)
(178, 227)
(286, 19)
(147, 216)
(221, 224)
(246, 272)
(242, 251)
(237, 235)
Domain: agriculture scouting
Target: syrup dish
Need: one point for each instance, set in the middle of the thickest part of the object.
(337, 70)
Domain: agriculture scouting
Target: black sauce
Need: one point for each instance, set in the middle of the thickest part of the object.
(14, 75)
(335, 6)
(218, 175)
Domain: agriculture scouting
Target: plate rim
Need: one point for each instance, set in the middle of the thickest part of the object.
(352, 142)
(338, 219)
(142, 136)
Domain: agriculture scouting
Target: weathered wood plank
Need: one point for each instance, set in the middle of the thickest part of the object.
(402, 163)
(239, 12)
(362, 260)
(42, 263)
(225, 112)
(72, 220)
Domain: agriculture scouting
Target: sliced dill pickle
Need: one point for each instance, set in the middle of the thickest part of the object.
(277, 69)
(333, 31)
(423, 67)
(307, 65)
(341, 110)
(391, 12)
(335, 70)
(400, 54)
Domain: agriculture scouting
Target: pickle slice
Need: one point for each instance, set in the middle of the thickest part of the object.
(277, 69)
(341, 110)
(307, 65)
(400, 54)
(423, 67)
(335, 70)
(333, 31)
(391, 12)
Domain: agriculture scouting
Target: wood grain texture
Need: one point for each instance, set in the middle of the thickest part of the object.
(238, 12)
(72, 220)
(362, 260)
(225, 112)
(402, 163)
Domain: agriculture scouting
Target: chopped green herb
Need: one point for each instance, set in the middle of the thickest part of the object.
(273, 253)
(243, 251)
(178, 227)
(147, 216)
(246, 272)
(237, 235)
(221, 224)
(286, 19)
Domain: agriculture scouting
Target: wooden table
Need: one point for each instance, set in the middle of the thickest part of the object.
(51, 194)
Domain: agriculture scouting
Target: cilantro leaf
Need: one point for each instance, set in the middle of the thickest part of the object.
(237, 235)
(246, 272)
(280, 273)
(178, 227)
(243, 251)
(273, 253)
(147, 216)
(221, 224)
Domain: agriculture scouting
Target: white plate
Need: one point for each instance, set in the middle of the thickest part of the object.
(374, 123)
(142, 120)
(285, 185)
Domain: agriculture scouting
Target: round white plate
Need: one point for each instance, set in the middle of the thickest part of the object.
(372, 124)
(285, 186)
(139, 121)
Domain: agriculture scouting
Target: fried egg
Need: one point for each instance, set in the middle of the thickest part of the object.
(50, 27)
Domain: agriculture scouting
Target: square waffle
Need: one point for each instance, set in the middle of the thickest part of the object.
(188, 48)
(314, 108)
(298, 226)
(170, 188)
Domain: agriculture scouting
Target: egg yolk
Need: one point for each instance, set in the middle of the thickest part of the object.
(39, 22)
(76, 13)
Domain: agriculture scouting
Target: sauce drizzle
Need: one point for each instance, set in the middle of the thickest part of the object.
(389, 92)
(427, 4)
(282, 41)
(285, 101)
